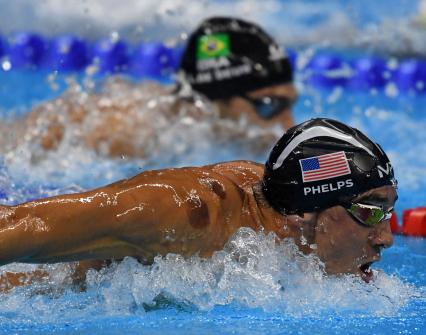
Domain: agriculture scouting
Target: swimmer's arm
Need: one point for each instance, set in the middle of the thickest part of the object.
(10, 279)
(128, 218)
(70, 227)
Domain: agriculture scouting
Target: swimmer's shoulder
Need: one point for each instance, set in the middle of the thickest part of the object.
(241, 172)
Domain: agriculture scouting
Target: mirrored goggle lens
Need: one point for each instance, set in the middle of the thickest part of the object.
(268, 107)
(369, 215)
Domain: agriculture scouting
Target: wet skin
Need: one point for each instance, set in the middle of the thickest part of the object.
(127, 125)
(347, 246)
(186, 211)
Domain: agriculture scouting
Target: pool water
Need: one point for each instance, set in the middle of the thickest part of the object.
(273, 289)
(393, 304)
(253, 285)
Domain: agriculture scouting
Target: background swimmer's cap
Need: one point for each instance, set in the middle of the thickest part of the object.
(225, 57)
(322, 163)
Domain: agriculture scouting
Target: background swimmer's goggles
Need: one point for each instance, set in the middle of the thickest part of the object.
(269, 106)
(368, 215)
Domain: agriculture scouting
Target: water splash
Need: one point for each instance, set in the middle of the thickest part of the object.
(252, 271)
(81, 137)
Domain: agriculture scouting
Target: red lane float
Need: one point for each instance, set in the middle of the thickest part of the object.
(414, 222)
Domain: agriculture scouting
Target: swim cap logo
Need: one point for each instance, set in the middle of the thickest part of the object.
(384, 171)
(324, 167)
(276, 53)
(213, 46)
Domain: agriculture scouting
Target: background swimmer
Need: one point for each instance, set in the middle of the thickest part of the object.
(237, 64)
(253, 82)
(196, 210)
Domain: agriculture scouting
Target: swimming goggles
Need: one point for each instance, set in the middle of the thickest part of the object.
(269, 106)
(368, 215)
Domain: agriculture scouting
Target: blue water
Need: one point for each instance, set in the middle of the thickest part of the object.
(117, 299)
(270, 294)
(395, 120)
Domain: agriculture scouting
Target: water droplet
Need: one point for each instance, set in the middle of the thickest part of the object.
(93, 69)
(152, 103)
(114, 36)
(169, 236)
(6, 65)
(51, 79)
(392, 63)
(391, 90)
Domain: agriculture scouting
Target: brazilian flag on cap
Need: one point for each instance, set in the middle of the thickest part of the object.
(212, 46)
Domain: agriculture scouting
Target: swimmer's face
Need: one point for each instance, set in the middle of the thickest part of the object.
(276, 102)
(347, 246)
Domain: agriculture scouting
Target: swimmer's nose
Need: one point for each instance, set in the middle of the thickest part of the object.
(383, 237)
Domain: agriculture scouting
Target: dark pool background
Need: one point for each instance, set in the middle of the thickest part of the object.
(394, 119)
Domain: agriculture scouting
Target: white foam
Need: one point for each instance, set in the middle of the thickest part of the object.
(252, 271)
(193, 134)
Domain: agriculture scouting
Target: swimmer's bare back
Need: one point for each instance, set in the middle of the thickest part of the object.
(187, 211)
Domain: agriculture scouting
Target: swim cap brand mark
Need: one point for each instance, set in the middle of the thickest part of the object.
(276, 53)
(383, 171)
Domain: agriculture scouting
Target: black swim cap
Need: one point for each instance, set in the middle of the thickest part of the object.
(323, 163)
(225, 57)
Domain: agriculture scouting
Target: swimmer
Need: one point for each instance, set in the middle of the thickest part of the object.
(325, 185)
(230, 69)
(239, 66)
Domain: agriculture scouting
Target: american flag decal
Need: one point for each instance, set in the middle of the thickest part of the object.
(324, 167)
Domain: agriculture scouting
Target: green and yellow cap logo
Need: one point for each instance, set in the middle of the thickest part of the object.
(212, 46)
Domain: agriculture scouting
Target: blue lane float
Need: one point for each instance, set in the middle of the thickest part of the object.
(292, 56)
(153, 60)
(411, 75)
(328, 71)
(177, 53)
(111, 56)
(369, 72)
(69, 53)
(27, 50)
